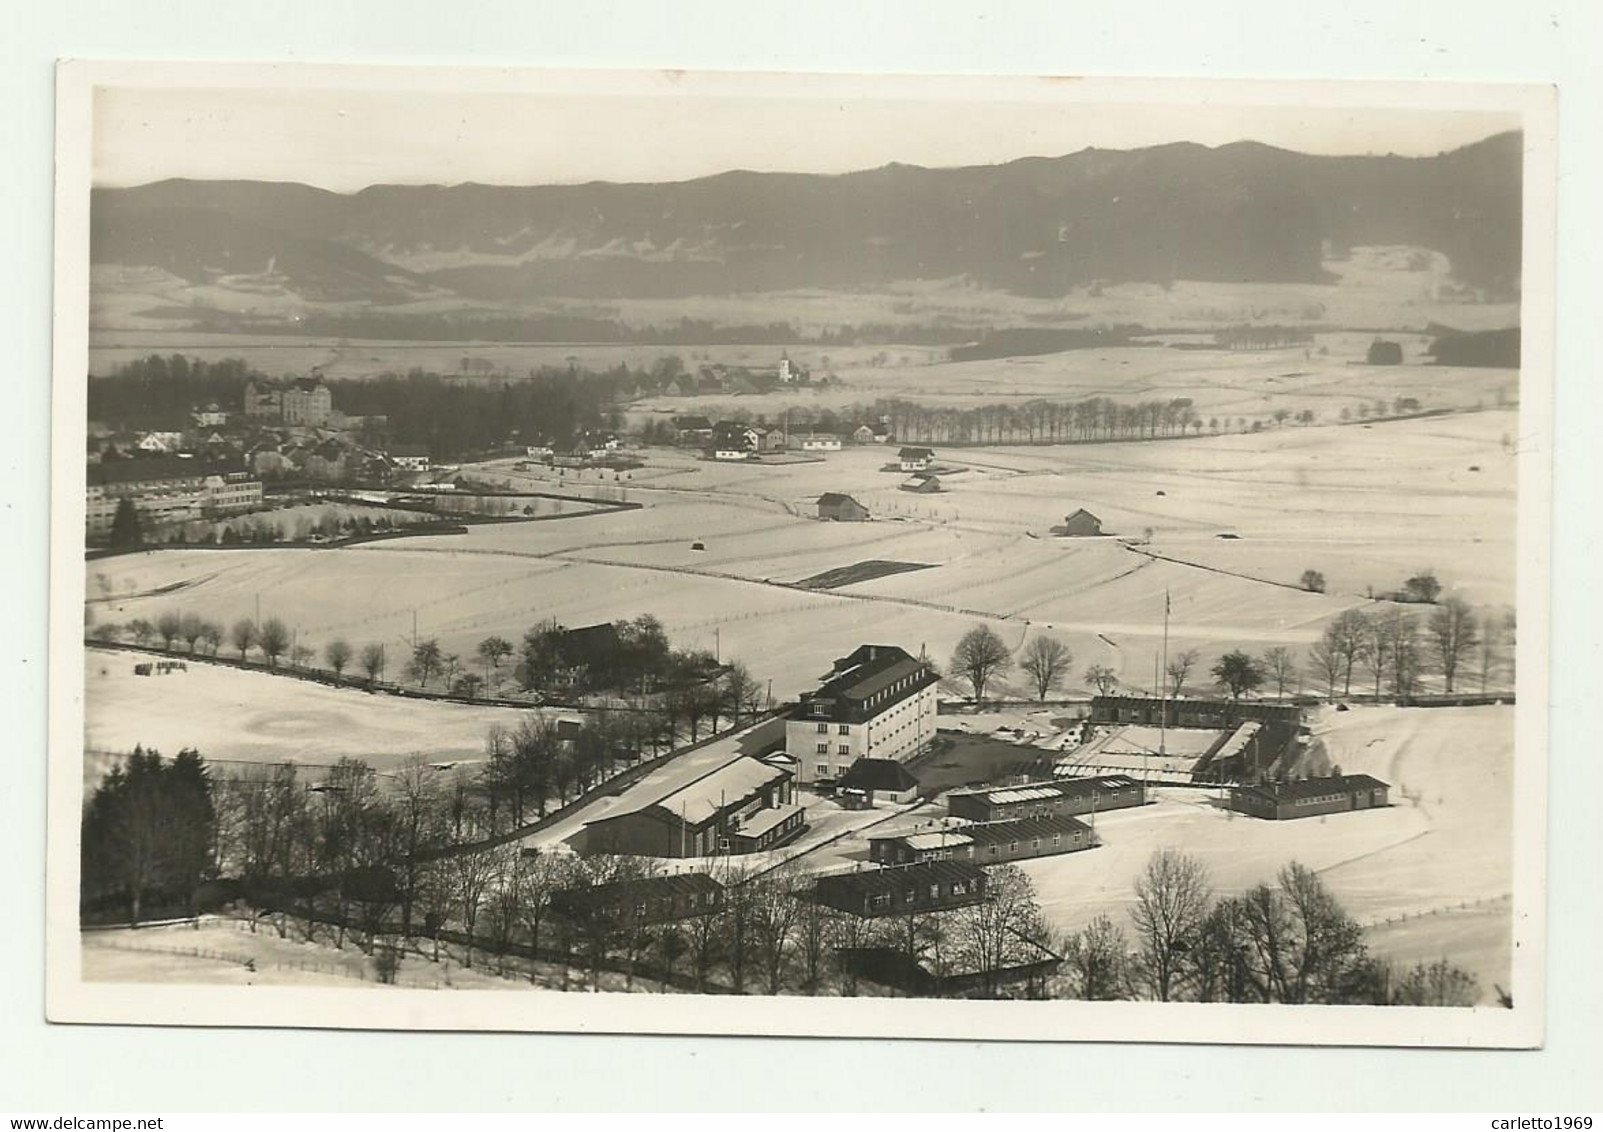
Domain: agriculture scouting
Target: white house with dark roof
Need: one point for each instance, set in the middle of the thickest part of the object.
(915, 459)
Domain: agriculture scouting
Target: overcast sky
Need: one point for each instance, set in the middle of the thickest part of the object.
(674, 128)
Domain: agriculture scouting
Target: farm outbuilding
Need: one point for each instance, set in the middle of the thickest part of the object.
(922, 485)
(840, 508)
(1080, 524)
(1282, 801)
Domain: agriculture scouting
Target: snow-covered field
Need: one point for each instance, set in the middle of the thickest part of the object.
(230, 714)
(1366, 506)
(1441, 855)
(222, 951)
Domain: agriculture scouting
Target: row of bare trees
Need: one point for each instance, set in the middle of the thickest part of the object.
(1391, 649)
(1286, 942)
(397, 862)
(1043, 422)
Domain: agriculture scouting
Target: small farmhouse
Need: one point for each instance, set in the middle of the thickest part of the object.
(863, 434)
(916, 459)
(820, 442)
(841, 508)
(1080, 524)
(1281, 801)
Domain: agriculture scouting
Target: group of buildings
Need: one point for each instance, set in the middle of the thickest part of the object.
(857, 737)
(216, 461)
(746, 440)
(165, 489)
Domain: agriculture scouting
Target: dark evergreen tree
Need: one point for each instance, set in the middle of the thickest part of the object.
(126, 529)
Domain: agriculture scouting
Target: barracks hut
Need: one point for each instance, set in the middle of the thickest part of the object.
(1281, 801)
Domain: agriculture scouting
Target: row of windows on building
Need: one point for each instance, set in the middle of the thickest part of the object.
(994, 850)
(892, 689)
(883, 899)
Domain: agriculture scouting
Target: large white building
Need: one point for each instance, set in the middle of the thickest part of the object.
(877, 703)
(165, 491)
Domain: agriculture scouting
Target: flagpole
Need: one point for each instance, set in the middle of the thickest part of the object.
(1163, 718)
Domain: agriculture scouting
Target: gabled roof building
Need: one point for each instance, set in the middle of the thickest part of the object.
(742, 806)
(877, 703)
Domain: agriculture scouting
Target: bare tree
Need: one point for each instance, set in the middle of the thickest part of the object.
(1179, 668)
(1102, 678)
(493, 650)
(1282, 668)
(1345, 639)
(1436, 984)
(191, 628)
(740, 691)
(540, 877)
(1452, 636)
(415, 801)
(1326, 661)
(169, 626)
(211, 634)
(774, 913)
(980, 657)
(1097, 962)
(1406, 659)
(1046, 662)
(1003, 930)
(1172, 899)
(272, 639)
(372, 661)
(426, 661)
(338, 654)
(469, 875)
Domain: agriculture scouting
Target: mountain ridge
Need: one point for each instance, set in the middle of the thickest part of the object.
(1036, 225)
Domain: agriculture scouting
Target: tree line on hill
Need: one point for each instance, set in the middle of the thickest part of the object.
(398, 865)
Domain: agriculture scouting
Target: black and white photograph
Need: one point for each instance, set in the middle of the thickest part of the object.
(971, 557)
